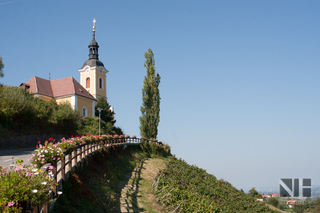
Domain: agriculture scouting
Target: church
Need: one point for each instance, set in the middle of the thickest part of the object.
(81, 96)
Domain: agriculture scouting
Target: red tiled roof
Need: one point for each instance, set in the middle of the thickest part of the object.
(58, 88)
(291, 201)
(33, 86)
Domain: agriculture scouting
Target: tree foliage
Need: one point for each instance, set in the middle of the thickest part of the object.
(23, 114)
(150, 109)
(254, 193)
(90, 125)
(273, 201)
(106, 114)
(1, 67)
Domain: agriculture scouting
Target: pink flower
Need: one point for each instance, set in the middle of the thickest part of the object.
(51, 167)
(11, 203)
(58, 159)
(54, 158)
(29, 174)
(18, 168)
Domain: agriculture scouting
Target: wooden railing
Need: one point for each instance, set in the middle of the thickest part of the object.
(76, 158)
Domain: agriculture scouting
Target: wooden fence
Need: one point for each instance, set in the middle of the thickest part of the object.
(77, 158)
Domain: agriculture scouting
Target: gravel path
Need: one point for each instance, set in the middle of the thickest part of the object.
(136, 193)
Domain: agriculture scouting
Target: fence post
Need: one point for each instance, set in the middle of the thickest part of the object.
(74, 160)
(54, 172)
(83, 154)
(63, 170)
(70, 163)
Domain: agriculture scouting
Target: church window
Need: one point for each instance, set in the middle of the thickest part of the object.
(84, 112)
(100, 83)
(88, 82)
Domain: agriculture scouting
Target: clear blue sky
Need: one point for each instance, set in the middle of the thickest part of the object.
(239, 79)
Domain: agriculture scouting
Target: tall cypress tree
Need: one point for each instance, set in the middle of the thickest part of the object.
(150, 109)
(1, 67)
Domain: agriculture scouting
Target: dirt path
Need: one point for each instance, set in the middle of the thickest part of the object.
(136, 193)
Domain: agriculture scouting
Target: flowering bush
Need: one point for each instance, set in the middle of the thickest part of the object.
(26, 183)
(127, 136)
(134, 137)
(47, 153)
(78, 140)
(88, 138)
(103, 137)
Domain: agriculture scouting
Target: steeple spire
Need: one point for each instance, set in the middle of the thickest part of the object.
(94, 24)
(93, 46)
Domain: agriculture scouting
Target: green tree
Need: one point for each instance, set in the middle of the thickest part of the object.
(107, 115)
(317, 205)
(254, 193)
(1, 67)
(150, 109)
(273, 201)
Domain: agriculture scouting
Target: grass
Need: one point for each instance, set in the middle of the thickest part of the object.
(114, 180)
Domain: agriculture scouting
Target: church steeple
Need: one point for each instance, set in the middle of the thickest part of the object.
(93, 73)
(93, 46)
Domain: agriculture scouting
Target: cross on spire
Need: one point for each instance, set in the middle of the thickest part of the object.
(94, 24)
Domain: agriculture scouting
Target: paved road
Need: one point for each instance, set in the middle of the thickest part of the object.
(6, 156)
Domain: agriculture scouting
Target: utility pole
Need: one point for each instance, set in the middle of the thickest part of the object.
(99, 120)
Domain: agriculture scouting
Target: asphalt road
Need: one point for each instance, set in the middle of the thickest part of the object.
(9, 157)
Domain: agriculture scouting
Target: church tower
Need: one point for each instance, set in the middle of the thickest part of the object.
(93, 74)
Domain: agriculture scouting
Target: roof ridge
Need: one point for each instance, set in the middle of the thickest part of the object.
(35, 81)
(51, 88)
(74, 89)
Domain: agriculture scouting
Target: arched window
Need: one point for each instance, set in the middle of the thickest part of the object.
(100, 83)
(88, 82)
(84, 112)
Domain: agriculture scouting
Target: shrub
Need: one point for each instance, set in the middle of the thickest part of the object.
(47, 153)
(273, 201)
(66, 118)
(26, 184)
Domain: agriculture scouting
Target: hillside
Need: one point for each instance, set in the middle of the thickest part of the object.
(185, 188)
(135, 181)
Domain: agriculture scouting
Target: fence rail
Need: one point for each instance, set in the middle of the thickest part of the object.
(76, 158)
